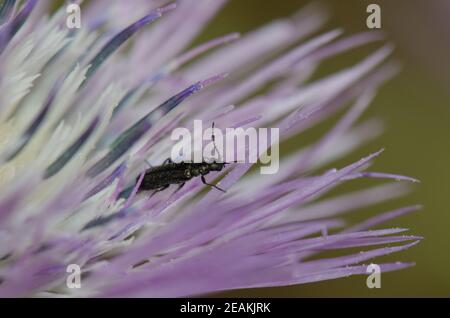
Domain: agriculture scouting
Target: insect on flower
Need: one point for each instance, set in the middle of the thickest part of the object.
(161, 177)
(80, 110)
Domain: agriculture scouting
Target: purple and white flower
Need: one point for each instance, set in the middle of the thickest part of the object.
(82, 110)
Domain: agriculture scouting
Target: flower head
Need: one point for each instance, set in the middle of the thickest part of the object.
(83, 110)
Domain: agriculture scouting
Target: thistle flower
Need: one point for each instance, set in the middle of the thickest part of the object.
(83, 110)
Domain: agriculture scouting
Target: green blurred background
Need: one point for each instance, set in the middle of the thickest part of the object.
(415, 108)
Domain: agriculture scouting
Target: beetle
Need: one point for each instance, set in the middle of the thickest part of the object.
(161, 177)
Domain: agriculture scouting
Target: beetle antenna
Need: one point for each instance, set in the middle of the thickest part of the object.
(213, 137)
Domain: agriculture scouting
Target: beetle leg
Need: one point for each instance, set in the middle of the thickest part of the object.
(159, 190)
(212, 185)
(148, 163)
(179, 187)
(167, 161)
